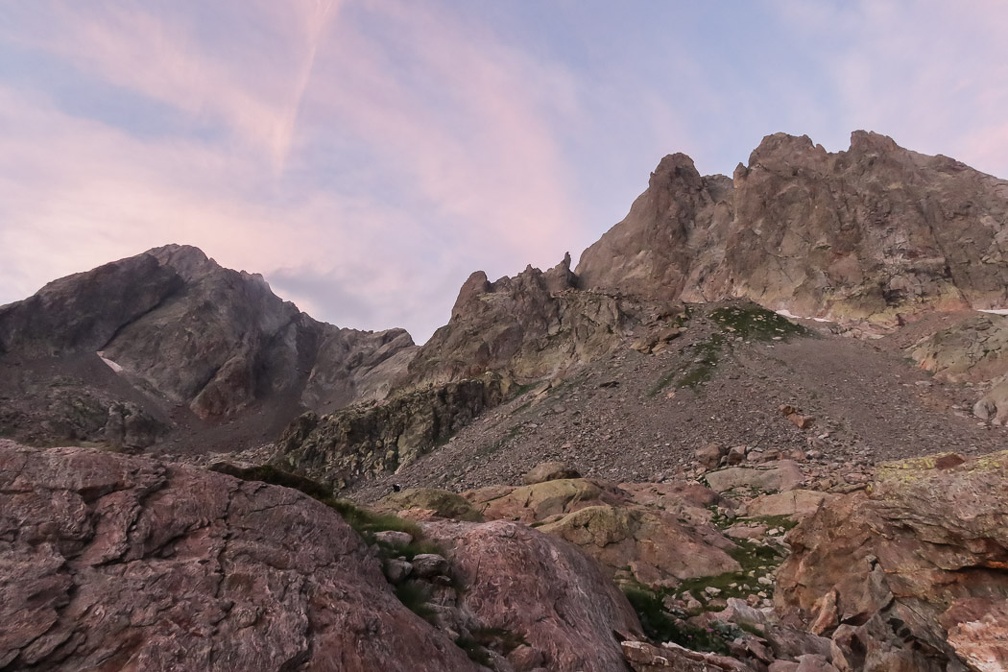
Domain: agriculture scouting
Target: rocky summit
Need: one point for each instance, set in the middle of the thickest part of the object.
(168, 340)
(760, 427)
(875, 233)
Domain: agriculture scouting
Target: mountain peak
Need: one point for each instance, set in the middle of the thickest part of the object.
(844, 235)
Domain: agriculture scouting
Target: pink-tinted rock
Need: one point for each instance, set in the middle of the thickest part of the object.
(919, 560)
(115, 563)
(978, 631)
(658, 533)
(541, 589)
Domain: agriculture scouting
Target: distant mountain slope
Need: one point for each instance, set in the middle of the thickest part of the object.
(189, 337)
(872, 233)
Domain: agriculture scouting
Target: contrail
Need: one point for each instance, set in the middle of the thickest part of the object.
(284, 133)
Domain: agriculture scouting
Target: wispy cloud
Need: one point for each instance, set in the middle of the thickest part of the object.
(462, 121)
(367, 155)
(933, 76)
(250, 87)
(460, 167)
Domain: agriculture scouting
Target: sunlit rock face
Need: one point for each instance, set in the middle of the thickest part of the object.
(873, 233)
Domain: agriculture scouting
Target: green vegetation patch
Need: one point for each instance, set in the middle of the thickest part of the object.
(699, 371)
(747, 321)
(267, 473)
(756, 323)
(783, 522)
(756, 560)
(416, 597)
(708, 352)
(480, 641)
(364, 521)
(660, 626)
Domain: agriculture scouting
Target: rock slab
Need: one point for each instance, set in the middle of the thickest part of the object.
(116, 563)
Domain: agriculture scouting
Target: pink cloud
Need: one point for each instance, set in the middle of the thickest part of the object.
(483, 174)
(465, 118)
(932, 75)
(253, 87)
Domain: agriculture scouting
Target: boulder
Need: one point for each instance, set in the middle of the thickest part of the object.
(542, 590)
(655, 547)
(429, 565)
(549, 471)
(709, 455)
(796, 504)
(918, 560)
(115, 562)
(535, 503)
(993, 406)
(782, 476)
(429, 503)
(978, 631)
(656, 534)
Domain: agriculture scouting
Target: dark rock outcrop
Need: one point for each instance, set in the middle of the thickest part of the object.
(240, 343)
(170, 329)
(365, 440)
(871, 233)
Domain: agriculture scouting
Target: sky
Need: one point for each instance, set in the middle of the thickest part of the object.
(366, 156)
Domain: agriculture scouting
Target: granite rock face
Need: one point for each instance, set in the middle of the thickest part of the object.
(914, 570)
(545, 591)
(525, 328)
(677, 222)
(873, 233)
(116, 563)
(974, 351)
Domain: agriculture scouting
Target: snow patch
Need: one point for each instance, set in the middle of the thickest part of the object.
(995, 311)
(112, 365)
(784, 312)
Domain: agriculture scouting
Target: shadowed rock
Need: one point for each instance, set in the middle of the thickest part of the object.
(171, 329)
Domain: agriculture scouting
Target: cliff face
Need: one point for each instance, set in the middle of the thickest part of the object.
(866, 234)
(674, 234)
(524, 327)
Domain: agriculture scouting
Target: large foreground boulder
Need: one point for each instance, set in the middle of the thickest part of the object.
(913, 570)
(114, 563)
(546, 593)
(110, 562)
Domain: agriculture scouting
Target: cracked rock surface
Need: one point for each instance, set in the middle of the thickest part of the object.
(116, 563)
